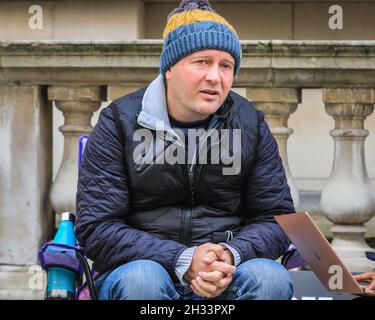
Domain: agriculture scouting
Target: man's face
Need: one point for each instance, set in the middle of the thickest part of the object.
(198, 84)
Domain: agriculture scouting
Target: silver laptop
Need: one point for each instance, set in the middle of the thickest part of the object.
(318, 254)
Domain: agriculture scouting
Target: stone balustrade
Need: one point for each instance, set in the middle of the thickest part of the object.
(35, 76)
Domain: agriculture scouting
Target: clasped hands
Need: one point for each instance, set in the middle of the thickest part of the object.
(211, 270)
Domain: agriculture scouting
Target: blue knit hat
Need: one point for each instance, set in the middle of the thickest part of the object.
(194, 26)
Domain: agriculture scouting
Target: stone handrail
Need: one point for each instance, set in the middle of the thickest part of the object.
(277, 63)
(76, 75)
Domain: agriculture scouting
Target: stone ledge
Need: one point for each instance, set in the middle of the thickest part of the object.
(10, 294)
(279, 63)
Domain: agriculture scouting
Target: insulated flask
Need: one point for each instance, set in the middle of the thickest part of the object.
(61, 283)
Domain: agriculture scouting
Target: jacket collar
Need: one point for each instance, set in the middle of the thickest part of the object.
(154, 106)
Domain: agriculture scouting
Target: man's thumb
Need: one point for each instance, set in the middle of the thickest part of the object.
(219, 251)
(210, 257)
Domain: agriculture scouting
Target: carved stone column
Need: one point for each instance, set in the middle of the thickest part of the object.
(25, 181)
(25, 174)
(278, 104)
(348, 200)
(78, 105)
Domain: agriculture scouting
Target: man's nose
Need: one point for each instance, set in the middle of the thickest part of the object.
(213, 74)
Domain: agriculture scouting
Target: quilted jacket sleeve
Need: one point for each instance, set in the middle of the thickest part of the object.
(103, 204)
(266, 194)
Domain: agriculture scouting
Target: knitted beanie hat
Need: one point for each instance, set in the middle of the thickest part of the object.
(195, 26)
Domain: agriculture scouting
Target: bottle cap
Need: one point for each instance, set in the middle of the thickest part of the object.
(68, 216)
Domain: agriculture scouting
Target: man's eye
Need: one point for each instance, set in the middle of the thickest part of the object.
(227, 66)
(200, 61)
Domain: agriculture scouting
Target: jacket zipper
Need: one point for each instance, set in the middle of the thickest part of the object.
(187, 217)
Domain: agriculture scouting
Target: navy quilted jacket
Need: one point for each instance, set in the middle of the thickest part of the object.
(128, 211)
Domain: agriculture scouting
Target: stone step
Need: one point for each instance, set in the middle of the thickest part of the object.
(22, 282)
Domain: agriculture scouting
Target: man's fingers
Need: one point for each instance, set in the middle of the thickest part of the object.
(370, 278)
(371, 287)
(206, 286)
(212, 276)
(205, 289)
(210, 257)
(364, 276)
(217, 249)
(198, 290)
(217, 278)
(223, 267)
(225, 282)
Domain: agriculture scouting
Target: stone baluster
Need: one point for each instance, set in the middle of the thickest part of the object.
(348, 199)
(278, 104)
(78, 105)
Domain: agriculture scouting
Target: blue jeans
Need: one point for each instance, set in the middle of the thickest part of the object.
(261, 279)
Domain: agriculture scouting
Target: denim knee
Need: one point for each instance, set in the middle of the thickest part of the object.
(264, 279)
(138, 280)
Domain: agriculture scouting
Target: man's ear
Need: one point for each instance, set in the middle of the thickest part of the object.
(168, 74)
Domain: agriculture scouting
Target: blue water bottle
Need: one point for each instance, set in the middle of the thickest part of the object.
(61, 283)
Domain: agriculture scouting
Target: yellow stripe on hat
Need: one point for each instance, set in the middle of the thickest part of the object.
(190, 16)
